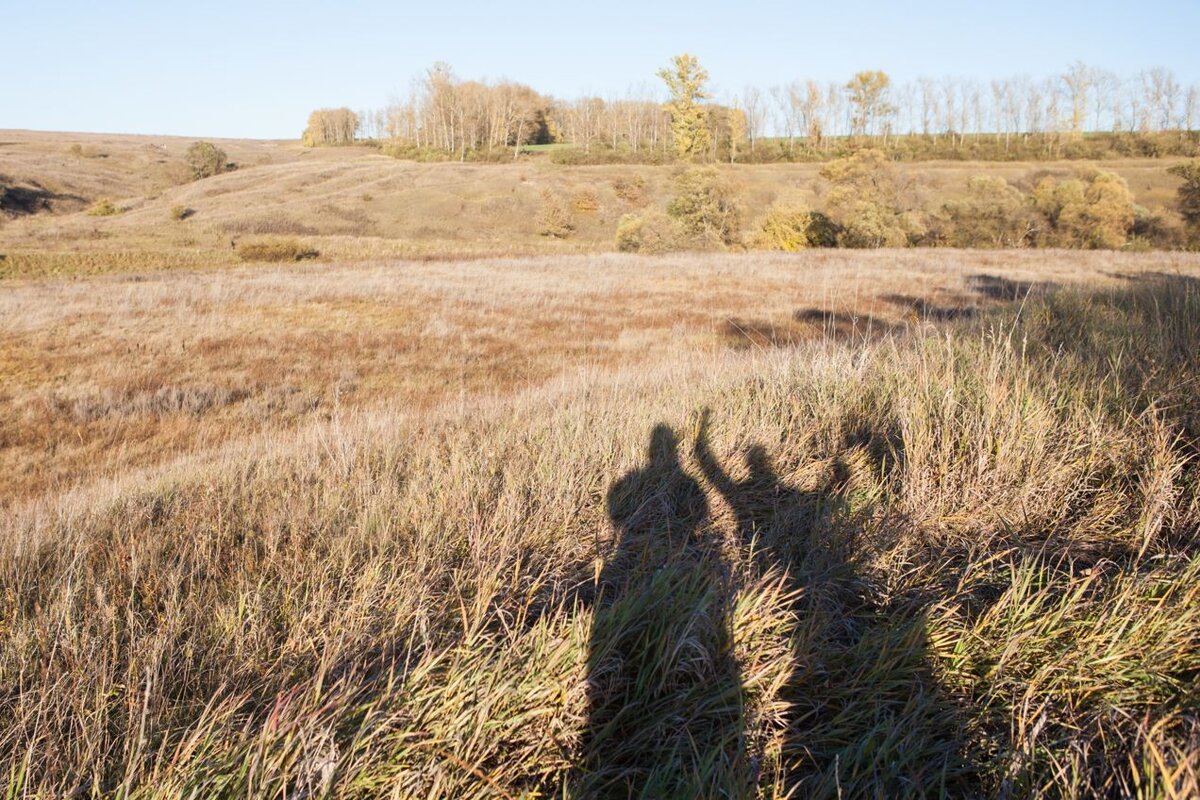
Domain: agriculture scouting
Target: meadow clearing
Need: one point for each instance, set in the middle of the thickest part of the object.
(468, 511)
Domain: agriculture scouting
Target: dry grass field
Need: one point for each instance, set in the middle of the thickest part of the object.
(456, 510)
(103, 375)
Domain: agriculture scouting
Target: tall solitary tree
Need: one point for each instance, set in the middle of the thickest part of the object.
(205, 159)
(867, 92)
(1078, 81)
(686, 80)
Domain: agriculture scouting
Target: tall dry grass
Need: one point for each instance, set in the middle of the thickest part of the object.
(959, 561)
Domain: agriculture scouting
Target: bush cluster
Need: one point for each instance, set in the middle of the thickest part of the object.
(554, 217)
(866, 202)
(276, 250)
(206, 160)
(706, 207)
(103, 208)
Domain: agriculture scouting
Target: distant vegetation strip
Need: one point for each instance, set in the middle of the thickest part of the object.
(1085, 112)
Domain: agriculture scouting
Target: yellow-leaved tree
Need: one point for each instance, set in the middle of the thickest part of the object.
(686, 80)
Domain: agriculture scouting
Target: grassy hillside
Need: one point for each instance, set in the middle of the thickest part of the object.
(953, 556)
(354, 204)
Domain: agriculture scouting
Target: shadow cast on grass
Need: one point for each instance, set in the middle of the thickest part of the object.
(666, 695)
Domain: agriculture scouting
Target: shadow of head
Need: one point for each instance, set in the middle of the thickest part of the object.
(759, 461)
(664, 447)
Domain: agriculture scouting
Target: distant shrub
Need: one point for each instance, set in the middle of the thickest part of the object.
(631, 189)
(867, 224)
(865, 202)
(629, 233)
(103, 208)
(784, 228)
(206, 159)
(181, 212)
(584, 201)
(1156, 229)
(79, 151)
(652, 232)
(706, 207)
(406, 151)
(791, 227)
(1094, 210)
(554, 216)
(276, 250)
(822, 231)
(1189, 191)
(993, 215)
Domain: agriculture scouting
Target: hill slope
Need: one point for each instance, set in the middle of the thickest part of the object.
(353, 203)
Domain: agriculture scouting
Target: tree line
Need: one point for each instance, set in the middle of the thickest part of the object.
(1083, 112)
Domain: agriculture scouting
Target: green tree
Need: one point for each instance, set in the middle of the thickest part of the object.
(1189, 190)
(686, 80)
(706, 208)
(206, 159)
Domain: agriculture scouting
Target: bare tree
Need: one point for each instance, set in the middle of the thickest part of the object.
(929, 105)
(755, 109)
(1078, 82)
(1105, 86)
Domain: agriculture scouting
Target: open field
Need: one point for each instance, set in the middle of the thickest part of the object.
(829, 524)
(457, 509)
(104, 375)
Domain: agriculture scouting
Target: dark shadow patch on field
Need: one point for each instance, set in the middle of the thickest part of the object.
(805, 325)
(34, 198)
(843, 325)
(927, 309)
(667, 700)
(1150, 276)
(995, 287)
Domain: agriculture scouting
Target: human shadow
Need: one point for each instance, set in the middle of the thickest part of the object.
(865, 708)
(664, 693)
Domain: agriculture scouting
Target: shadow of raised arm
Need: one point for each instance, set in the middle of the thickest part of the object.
(709, 465)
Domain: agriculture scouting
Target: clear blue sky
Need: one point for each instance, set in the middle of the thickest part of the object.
(256, 68)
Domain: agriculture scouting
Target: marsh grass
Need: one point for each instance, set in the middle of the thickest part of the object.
(958, 562)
